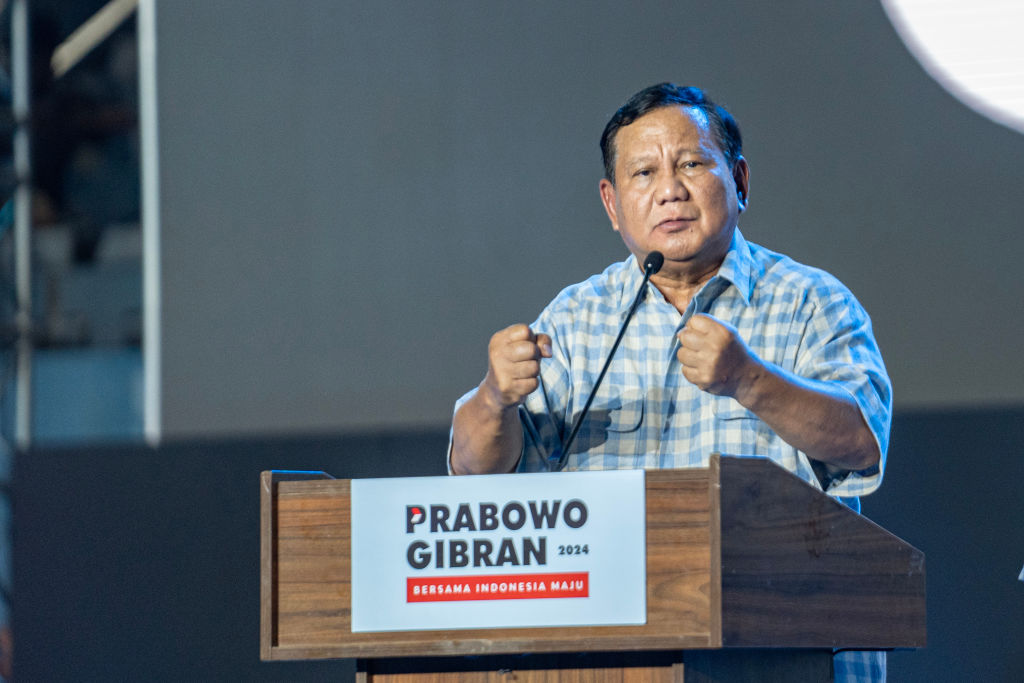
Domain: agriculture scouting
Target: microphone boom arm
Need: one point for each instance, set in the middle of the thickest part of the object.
(652, 264)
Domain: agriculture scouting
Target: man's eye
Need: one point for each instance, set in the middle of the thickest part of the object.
(691, 164)
(643, 172)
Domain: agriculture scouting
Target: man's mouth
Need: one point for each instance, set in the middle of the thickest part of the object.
(675, 223)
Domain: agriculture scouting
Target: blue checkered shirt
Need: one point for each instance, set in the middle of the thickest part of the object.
(647, 415)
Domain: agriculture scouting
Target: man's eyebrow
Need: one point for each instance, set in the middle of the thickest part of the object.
(639, 159)
(644, 158)
(702, 151)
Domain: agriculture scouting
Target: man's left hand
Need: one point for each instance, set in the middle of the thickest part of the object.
(715, 358)
(817, 418)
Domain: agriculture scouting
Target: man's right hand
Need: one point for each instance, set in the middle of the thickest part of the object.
(486, 434)
(513, 366)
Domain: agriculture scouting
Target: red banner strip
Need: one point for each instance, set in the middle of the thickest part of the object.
(501, 587)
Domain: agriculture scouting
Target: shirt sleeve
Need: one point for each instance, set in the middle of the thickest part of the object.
(839, 348)
(451, 430)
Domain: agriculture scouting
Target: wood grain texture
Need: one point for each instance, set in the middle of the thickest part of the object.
(310, 577)
(616, 675)
(268, 593)
(739, 554)
(690, 666)
(800, 569)
(715, 549)
(604, 667)
(269, 552)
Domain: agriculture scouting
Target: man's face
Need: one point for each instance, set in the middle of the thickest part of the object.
(674, 191)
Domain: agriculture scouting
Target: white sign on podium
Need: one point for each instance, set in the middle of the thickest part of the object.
(516, 550)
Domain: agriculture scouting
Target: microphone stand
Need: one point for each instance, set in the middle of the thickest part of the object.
(652, 264)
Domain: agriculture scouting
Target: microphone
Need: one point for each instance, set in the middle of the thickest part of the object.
(652, 264)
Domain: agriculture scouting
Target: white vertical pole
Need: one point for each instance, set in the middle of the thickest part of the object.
(22, 221)
(151, 295)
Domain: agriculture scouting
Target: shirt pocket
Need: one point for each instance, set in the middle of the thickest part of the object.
(612, 418)
(739, 431)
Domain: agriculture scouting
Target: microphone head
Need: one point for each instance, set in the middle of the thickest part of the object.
(653, 262)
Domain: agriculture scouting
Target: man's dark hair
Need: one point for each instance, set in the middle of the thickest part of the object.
(723, 125)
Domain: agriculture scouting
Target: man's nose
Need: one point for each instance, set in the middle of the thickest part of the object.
(672, 188)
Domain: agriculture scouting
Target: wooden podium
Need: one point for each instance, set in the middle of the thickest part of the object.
(752, 574)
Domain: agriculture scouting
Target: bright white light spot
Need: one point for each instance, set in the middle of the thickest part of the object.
(974, 49)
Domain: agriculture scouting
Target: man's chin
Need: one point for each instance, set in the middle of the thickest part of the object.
(686, 262)
(688, 251)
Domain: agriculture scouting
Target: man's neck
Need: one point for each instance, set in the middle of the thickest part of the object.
(679, 287)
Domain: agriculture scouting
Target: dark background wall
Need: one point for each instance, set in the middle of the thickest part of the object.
(137, 564)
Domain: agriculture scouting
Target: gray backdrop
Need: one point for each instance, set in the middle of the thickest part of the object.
(355, 196)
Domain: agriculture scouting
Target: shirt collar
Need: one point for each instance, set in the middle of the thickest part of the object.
(738, 269)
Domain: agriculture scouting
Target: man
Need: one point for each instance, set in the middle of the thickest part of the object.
(734, 349)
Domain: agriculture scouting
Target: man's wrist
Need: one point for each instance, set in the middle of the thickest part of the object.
(754, 387)
(490, 400)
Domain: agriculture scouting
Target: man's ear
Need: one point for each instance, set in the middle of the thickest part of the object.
(741, 176)
(608, 199)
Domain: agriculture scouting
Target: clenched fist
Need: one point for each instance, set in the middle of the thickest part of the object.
(715, 358)
(513, 365)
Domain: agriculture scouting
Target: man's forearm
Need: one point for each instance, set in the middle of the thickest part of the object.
(485, 440)
(822, 421)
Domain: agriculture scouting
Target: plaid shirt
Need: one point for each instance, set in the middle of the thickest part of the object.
(647, 415)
